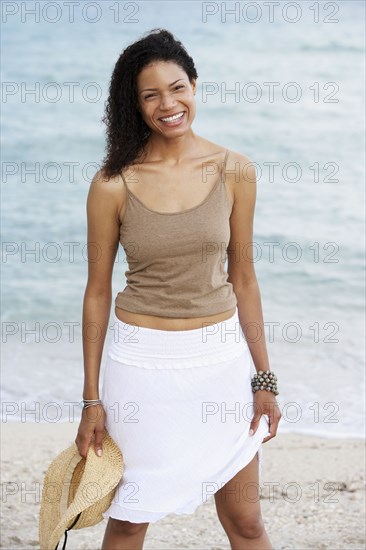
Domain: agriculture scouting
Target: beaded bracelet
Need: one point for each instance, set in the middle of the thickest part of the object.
(265, 380)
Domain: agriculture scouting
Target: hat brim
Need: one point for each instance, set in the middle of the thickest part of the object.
(75, 485)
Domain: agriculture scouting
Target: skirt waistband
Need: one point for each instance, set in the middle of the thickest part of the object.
(155, 348)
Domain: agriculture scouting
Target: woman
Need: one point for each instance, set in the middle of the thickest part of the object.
(177, 390)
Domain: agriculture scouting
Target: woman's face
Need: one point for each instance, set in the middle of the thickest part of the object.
(164, 91)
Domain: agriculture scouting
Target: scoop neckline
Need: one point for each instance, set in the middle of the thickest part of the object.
(182, 211)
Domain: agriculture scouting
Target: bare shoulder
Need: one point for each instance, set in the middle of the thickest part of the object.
(241, 179)
(238, 165)
(240, 168)
(106, 195)
(107, 189)
(108, 186)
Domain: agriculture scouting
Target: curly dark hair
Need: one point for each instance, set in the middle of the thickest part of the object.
(127, 133)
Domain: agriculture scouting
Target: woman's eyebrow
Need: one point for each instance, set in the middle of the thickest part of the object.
(153, 89)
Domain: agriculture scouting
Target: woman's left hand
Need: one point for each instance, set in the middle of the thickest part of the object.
(264, 402)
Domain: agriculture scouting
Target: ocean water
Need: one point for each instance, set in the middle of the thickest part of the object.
(308, 142)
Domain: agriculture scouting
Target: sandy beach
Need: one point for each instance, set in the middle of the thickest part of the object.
(312, 494)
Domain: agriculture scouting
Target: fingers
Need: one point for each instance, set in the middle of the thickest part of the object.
(85, 434)
(264, 405)
(82, 442)
(253, 427)
(255, 420)
(98, 447)
(274, 420)
(269, 437)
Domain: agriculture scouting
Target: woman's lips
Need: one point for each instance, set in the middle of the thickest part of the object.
(175, 122)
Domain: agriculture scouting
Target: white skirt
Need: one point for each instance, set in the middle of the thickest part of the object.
(179, 405)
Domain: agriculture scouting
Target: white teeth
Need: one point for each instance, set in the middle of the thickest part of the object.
(174, 117)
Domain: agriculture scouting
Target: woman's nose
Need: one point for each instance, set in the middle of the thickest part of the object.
(167, 102)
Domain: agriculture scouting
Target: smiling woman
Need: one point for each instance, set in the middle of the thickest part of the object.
(180, 205)
(128, 130)
(170, 106)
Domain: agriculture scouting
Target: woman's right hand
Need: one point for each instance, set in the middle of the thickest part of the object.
(92, 423)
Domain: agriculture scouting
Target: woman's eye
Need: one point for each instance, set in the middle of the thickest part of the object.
(149, 96)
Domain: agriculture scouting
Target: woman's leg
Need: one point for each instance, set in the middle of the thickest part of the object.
(124, 535)
(238, 509)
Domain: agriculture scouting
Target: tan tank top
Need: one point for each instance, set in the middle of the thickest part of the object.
(176, 260)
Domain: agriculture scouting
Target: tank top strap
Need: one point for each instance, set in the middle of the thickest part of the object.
(124, 179)
(224, 166)
(129, 192)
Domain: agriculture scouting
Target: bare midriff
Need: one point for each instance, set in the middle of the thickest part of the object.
(164, 323)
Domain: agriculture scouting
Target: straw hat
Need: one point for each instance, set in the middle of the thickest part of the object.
(76, 490)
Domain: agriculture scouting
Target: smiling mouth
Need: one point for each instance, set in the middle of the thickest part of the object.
(172, 118)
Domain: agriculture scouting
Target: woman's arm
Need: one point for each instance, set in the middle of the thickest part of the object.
(103, 207)
(103, 204)
(240, 258)
(243, 278)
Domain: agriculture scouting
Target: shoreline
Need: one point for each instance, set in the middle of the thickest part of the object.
(312, 494)
(325, 434)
